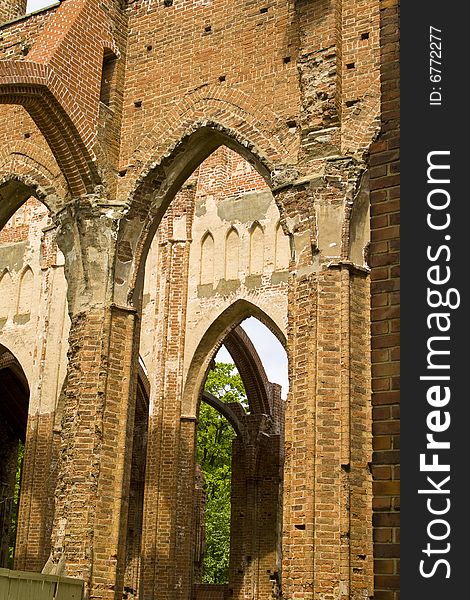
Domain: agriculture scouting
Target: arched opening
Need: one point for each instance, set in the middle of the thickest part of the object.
(203, 263)
(240, 436)
(14, 395)
(108, 77)
(34, 325)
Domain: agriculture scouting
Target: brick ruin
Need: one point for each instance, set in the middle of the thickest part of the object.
(168, 169)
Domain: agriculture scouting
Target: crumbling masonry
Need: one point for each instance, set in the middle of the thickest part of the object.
(168, 169)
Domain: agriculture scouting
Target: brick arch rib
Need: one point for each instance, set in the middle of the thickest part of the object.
(34, 87)
(224, 410)
(251, 370)
(210, 343)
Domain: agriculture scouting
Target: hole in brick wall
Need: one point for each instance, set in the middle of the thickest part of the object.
(107, 76)
(286, 60)
(27, 135)
(208, 28)
(168, 2)
(263, 10)
(138, 103)
(350, 65)
(346, 467)
(357, 570)
(122, 172)
(292, 125)
(149, 47)
(365, 36)
(350, 103)
(222, 78)
(300, 526)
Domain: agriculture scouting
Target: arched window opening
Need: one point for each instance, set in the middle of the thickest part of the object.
(28, 246)
(231, 521)
(14, 400)
(206, 456)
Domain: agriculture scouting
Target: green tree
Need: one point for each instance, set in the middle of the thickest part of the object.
(214, 454)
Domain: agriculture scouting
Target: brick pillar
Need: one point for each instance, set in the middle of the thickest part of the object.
(136, 496)
(385, 314)
(37, 494)
(91, 498)
(327, 529)
(169, 530)
(255, 511)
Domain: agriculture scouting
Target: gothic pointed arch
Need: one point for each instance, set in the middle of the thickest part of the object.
(232, 254)
(25, 291)
(6, 293)
(256, 249)
(224, 329)
(207, 259)
(159, 182)
(14, 400)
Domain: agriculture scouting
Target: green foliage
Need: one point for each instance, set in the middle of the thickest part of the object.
(214, 454)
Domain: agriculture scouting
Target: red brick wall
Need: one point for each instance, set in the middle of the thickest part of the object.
(17, 228)
(10, 9)
(385, 276)
(210, 592)
(187, 63)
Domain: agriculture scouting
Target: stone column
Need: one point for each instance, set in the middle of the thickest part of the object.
(256, 508)
(91, 498)
(327, 542)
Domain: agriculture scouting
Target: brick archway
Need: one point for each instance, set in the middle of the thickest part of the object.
(225, 327)
(21, 178)
(257, 463)
(162, 178)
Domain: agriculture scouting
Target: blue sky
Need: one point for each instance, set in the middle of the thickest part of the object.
(33, 5)
(270, 350)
